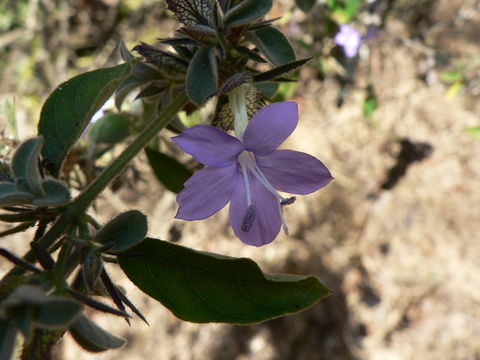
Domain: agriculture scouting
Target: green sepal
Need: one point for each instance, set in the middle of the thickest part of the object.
(247, 11)
(202, 75)
(68, 110)
(92, 337)
(204, 287)
(124, 231)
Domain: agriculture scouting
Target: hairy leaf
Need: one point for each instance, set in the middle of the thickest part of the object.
(247, 11)
(68, 110)
(202, 75)
(25, 164)
(110, 129)
(204, 287)
(92, 337)
(273, 44)
(192, 12)
(124, 231)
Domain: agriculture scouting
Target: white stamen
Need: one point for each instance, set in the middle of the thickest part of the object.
(237, 99)
(247, 163)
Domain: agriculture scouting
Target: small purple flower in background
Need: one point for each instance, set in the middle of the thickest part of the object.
(350, 39)
(246, 172)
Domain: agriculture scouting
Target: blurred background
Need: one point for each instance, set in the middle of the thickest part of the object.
(395, 236)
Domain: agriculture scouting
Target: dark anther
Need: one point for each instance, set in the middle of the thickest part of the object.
(288, 201)
(248, 219)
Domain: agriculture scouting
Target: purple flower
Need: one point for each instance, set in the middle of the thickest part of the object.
(350, 39)
(247, 173)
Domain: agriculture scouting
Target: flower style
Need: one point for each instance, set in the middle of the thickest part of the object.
(247, 172)
(350, 39)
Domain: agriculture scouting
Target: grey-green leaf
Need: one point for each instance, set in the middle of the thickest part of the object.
(56, 192)
(202, 75)
(274, 45)
(124, 231)
(168, 171)
(92, 337)
(7, 188)
(204, 287)
(16, 198)
(25, 164)
(56, 312)
(68, 110)
(247, 11)
(8, 336)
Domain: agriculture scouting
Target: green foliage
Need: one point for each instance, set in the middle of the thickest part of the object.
(370, 103)
(305, 5)
(92, 337)
(343, 11)
(68, 110)
(110, 129)
(474, 132)
(25, 164)
(274, 45)
(169, 172)
(247, 11)
(8, 336)
(204, 287)
(124, 231)
(28, 307)
(202, 75)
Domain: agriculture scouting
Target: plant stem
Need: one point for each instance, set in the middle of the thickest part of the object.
(83, 201)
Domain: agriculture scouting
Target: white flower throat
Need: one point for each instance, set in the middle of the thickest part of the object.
(246, 160)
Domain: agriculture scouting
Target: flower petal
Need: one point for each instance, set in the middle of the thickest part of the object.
(293, 171)
(270, 127)
(266, 222)
(206, 192)
(209, 145)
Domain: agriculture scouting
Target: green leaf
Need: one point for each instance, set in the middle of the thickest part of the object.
(192, 12)
(56, 312)
(28, 305)
(268, 89)
(124, 231)
(451, 77)
(16, 198)
(110, 129)
(56, 192)
(7, 188)
(8, 337)
(370, 104)
(68, 110)
(25, 164)
(92, 337)
(280, 70)
(168, 170)
(305, 5)
(474, 131)
(202, 75)
(204, 287)
(247, 11)
(202, 34)
(274, 45)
